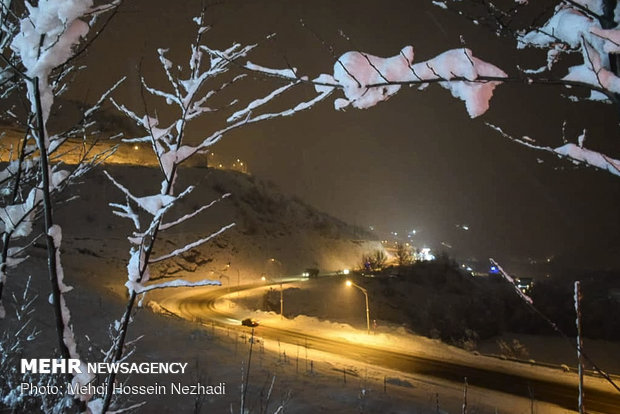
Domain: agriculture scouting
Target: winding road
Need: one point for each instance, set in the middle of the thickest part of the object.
(199, 305)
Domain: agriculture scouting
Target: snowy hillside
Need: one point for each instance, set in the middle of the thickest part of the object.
(274, 235)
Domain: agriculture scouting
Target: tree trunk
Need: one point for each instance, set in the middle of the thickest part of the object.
(49, 222)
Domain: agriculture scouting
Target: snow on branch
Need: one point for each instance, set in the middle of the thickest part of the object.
(288, 73)
(105, 96)
(47, 38)
(259, 102)
(191, 245)
(151, 204)
(165, 226)
(18, 219)
(573, 152)
(178, 283)
(592, 158)
(576, 26)
(125, 211)
(157, 219)
(367, 80)
(79, 379)
(302, 106)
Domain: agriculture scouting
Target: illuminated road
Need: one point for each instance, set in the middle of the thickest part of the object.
(201, 306)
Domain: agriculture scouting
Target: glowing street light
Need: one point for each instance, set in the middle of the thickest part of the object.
(365, 292)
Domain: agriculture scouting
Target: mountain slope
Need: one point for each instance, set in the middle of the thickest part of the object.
(274, 234)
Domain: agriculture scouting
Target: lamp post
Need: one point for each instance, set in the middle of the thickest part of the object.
(365, 292)
(281, 302)
(273, 261)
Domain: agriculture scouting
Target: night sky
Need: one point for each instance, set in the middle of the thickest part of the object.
(415, 162)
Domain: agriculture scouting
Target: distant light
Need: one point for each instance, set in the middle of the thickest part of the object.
(136, 147)
(465, 227)
(425, 255)
(263, 278)
(348, 283)
(345, 271)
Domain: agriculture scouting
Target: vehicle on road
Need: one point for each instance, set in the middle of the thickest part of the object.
(249, 322)
(311, 272)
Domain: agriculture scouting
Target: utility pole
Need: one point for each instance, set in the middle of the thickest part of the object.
(281, 302)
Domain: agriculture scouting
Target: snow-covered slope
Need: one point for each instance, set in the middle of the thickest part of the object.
(274, 234)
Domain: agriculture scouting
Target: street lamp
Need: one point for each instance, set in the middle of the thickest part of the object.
(365, 292)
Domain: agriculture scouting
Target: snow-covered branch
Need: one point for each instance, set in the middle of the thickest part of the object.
(165, 226)
(178, 283)
(366, 80)
(576, 153)
(190, 246)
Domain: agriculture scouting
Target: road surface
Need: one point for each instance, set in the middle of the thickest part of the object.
(201, 306)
